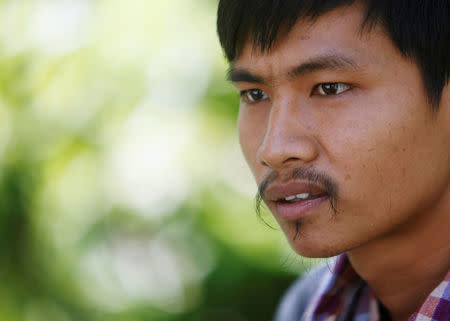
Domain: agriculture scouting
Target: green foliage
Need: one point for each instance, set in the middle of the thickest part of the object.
(123, 195)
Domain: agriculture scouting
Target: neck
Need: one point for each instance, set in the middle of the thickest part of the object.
(404, 266)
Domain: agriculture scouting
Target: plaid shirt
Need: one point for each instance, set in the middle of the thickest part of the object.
(343, 296)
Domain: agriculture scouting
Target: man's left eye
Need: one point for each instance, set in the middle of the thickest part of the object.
(252, 96)
(331, 88)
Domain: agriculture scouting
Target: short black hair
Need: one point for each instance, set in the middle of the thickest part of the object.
(420, 29)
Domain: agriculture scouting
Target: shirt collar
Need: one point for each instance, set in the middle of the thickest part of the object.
(343, 295)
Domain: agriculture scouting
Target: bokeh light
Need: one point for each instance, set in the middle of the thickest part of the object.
(123, 192)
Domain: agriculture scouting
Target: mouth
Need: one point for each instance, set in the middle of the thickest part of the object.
(292, 199)
(295, 209)
(296, 200)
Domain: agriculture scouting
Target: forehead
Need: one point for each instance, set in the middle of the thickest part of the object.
(338, 32)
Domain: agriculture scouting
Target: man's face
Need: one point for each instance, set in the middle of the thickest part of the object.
(348, 115)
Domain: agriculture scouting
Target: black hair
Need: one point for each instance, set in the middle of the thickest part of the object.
(420, 29)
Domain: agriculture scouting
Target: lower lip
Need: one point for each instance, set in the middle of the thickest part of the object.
(295, 211)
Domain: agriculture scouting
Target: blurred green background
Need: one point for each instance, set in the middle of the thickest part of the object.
(123, 193)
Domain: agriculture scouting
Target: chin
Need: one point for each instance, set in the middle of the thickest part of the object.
(313, 245)
(313, 250)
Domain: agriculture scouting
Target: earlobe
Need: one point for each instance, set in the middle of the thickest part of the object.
(445, 99)
(443, 113)
(444, 106)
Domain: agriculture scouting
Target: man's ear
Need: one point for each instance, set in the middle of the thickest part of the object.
(445, 99)
(444, 109)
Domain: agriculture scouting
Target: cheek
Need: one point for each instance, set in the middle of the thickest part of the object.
(388, 161)
(251, 127)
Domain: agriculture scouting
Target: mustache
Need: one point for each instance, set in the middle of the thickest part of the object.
(304, 173)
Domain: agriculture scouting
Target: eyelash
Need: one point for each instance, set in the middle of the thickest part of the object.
(315, 90)
(243, 94)
(340, 84)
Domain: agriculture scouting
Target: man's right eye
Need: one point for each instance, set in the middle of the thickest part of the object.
(253, 96)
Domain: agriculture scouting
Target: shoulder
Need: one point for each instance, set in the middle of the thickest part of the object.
(296, 299)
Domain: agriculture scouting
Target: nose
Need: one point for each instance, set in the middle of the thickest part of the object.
(287, 141)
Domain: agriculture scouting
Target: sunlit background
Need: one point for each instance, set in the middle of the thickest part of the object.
(123, 193)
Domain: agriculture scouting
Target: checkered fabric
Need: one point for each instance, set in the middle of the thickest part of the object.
(343, 296)
(437, 306)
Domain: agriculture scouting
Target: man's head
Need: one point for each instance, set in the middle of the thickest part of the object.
(419, 29)
(345, 114)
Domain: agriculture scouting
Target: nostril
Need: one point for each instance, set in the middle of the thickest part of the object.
(279, 148)
(291, 159)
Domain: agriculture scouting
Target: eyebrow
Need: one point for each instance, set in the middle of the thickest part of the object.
(242, 75)
(315, 64)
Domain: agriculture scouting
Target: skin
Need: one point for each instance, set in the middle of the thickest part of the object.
(379, 141)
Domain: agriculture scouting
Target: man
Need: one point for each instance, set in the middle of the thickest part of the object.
(345, 123)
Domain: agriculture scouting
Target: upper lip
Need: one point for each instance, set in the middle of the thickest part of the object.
(277, 192)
